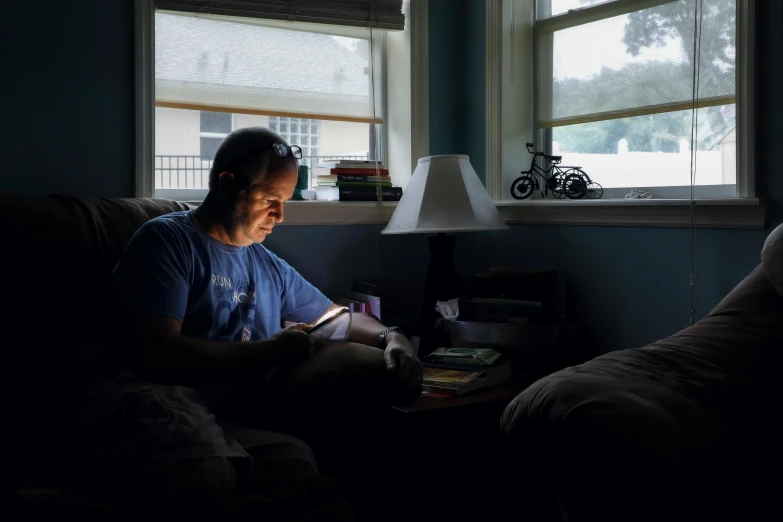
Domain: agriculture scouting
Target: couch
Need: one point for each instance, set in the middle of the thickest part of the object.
(57, 256)
(685, 428)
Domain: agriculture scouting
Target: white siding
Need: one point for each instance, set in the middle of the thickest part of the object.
(728, 149)
(176, 132)
(250, 120)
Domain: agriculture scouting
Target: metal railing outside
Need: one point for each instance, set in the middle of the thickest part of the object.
(192, 172)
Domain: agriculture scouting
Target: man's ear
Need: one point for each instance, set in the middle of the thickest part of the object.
(226, 182)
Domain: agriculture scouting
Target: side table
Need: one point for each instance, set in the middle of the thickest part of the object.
(450, 459)
(502, 393)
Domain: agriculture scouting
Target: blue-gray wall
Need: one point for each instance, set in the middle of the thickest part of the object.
(457, 87)
(631, 285)
(67, 106)
(67, 97)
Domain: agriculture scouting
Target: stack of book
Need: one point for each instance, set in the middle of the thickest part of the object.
(357, 180)
(456, 371)
(364, 297)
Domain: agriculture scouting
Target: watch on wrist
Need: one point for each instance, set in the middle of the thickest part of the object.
(385, 333)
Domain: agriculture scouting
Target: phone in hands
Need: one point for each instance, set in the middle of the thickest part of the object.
(333, 325)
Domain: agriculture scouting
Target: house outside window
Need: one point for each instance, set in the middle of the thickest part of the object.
(213, 127)
(299, 131)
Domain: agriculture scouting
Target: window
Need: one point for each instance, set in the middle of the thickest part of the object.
(319, 86)
(615, 93)
(299, 131)
(170, 94)
(214, 126)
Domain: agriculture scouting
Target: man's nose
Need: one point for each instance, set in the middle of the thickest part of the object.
(277, 212)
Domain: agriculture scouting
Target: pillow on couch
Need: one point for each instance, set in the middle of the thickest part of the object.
(772, 258)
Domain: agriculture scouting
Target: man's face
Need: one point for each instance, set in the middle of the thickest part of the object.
(260, 206)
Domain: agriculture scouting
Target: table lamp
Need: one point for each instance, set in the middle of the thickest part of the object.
(444, 195)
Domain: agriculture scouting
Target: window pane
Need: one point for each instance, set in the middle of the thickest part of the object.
(215, 122)
(178, 139)
(208, 147)
(641, 60)
(653, 150)
(259, 67)
(563, 6)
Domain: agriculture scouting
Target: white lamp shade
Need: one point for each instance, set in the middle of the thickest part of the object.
(444, 195)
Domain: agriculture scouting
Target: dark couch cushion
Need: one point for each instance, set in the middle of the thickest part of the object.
(692, 414)
(57, 256)
(772, 258)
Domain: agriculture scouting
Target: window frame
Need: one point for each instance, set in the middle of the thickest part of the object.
(411, 135)
(509, 31)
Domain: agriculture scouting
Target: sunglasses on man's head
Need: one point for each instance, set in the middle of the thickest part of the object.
(285, 151)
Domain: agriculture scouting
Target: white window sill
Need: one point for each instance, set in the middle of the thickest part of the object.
(710, 213)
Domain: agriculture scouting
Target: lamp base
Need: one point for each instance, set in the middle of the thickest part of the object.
(301, 183)
(442, 284)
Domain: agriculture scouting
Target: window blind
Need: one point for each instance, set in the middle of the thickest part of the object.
(634, 63)
(214, 64)
(378, 14)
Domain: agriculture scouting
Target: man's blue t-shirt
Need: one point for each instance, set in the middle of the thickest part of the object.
(218, 292)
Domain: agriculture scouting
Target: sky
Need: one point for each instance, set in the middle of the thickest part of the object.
(581, 52)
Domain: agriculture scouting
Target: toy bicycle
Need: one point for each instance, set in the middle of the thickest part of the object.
(563, 182)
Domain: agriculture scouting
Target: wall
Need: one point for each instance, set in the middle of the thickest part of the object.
(631, 285)
(456, 76)
(67, 98)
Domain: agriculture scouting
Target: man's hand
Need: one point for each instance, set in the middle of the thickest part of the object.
(402, 362)
(293, 345)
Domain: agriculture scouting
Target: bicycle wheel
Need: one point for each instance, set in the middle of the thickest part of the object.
(522, 186)
(574, 186)
(594, 190)
(558, 191)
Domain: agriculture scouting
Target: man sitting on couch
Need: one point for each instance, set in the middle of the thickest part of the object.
(199, 302)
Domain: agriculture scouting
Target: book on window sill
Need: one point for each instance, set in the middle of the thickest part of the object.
(357, 193)
(376, 183)
(438, 379)
(358, 171)
(330, 178)
(370, 193)
(344, 163)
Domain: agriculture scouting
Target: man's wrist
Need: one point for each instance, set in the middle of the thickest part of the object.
(395, 335)
(388, 335)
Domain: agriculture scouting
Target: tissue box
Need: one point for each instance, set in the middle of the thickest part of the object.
(503, 337)
(498, 310)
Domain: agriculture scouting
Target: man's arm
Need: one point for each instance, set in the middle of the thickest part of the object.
(158, 351)
(399, 353)
(365, 329)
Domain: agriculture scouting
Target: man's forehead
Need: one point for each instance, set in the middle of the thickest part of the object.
(276, 181)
